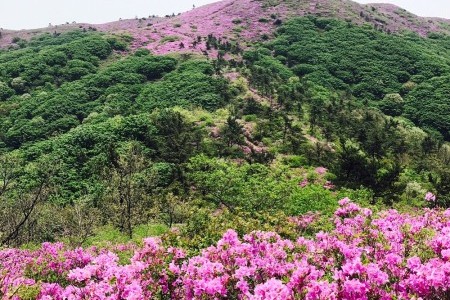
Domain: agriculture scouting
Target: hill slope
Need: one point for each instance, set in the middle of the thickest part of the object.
(245, 21)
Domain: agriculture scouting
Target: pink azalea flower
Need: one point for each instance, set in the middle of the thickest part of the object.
(430, 197)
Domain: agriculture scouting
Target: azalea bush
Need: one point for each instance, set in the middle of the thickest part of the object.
(389, 255)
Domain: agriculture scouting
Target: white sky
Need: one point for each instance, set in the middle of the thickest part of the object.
(28, 14)
(31, 14)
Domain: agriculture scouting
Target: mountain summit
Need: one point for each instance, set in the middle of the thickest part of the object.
(244, 21)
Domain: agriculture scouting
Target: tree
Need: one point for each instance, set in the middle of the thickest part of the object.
(232, 132)
(128, 188)
(170, 208)
(384, 181)
(319, 98)
(392, 104)
(18, 208)
(10, 165)
(175, 136)
(5, 91)
(442, 183)
(427, 105)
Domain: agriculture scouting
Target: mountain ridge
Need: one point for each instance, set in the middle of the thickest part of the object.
(242, 21)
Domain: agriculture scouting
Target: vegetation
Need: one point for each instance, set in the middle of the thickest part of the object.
(101, 145)
(260, 265)
(370, 65)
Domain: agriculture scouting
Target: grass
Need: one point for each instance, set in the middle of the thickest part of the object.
(108, 235)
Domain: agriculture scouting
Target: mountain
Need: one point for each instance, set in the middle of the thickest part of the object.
(244, 21)
(235, 132)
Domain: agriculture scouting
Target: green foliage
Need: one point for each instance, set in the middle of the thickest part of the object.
(392, 104)
(368, 64)
(205, 227)
(112, 90)
(192, 84)
(346, 73)
(255, 187)
(5, 91)
(169, 38)
(118, 43)
(28, 292)
(107, 235)
(176, 137)
(231, 133)
(311, 198)
(428, 105)
(96, 145)
(41, 62)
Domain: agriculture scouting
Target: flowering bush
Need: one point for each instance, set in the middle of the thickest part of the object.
(430, 197)
(365, 256)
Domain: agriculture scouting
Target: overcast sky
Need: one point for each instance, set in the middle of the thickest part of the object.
(28, 14)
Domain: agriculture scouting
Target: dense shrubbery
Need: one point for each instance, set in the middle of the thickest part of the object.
(71, 142)
(368, 64)
(40, 64)
(428, 105)
(339, 67)
(111, 91)
(192, 84)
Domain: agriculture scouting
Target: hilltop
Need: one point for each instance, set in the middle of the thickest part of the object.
(243, 22)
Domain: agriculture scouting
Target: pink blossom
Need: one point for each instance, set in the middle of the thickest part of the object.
(364, 255)
(303, 183)
(321, 170)
(430, 197)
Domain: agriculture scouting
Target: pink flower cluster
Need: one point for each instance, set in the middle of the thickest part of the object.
(321, 170)
(320, 174)
(430, 197)
(305, 221)
(389, 255)
(219, 19)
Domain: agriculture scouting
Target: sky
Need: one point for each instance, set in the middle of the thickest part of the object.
(29, 14)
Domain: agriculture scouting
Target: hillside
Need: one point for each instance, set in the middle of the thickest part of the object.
(234, 135)
(321, 92)
(244, 21)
